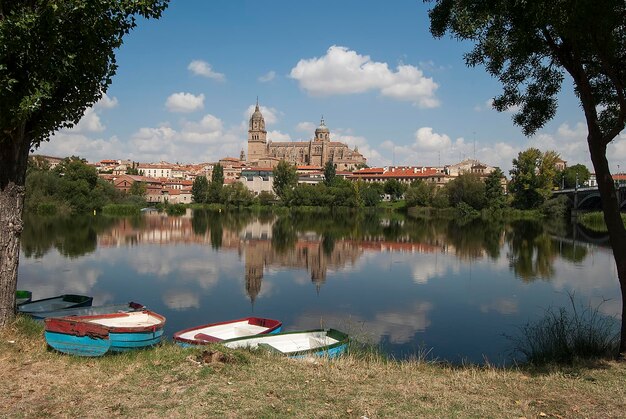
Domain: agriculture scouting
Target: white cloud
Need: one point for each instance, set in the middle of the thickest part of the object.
(106, 102)
(65, 144)
(269, 76)
(184, 102)
(177, 300)
(269, 114)
(308, 127)
(90, 122)
(371, 154)
(278, 136)
(617, 149)
(202, 68)
(426, 139)
(194, 141)
(343, 71)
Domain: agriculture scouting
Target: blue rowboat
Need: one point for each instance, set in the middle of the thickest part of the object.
(61, 302)
(328, 343)
(217, 332)
(91, 311)
(99, 334)
(23, 297)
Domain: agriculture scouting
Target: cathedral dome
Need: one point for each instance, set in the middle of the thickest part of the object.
(322, 127)
(257, 122)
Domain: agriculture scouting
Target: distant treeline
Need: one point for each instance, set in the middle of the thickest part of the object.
(72, 187)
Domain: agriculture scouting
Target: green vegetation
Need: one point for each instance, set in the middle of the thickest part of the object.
(121, 210)
(74, 187)
(57, 59)
(532, 178)
(595, 221)
(573, 176)
(214, 381)
(285, 179)
(531, 47)
(564, 336)
(200, 189)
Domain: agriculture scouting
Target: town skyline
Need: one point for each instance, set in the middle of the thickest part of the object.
(188, 83)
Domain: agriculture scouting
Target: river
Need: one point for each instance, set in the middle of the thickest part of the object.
(451, 290)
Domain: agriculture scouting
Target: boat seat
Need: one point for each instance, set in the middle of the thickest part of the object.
(242, 331)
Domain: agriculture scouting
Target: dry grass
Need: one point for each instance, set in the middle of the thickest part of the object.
(169, 381)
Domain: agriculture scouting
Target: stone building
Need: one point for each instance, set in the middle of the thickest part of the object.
(314, 152)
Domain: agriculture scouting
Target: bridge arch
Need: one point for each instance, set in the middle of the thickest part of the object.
(591, 201)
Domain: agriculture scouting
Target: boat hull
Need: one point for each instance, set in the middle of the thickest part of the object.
(217, 332)
(101, 334)
(92, 311)
(319, 342)
(61, 302)
(23, 297)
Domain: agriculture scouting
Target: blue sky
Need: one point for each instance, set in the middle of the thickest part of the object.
(186, 84)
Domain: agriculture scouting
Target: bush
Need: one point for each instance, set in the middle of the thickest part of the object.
(120, 209)
(46, 209)
(176, 209)
(562, 336)
(556, 208)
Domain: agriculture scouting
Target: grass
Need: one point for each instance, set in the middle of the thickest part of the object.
(121, 209)
(169, 381)
(564, 336)
(595, 221)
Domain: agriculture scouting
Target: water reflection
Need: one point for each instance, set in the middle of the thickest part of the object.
(397, 281)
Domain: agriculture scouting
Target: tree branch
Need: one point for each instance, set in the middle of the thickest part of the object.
(609, 70)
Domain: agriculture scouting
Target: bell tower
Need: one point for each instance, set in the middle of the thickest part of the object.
(257, 135)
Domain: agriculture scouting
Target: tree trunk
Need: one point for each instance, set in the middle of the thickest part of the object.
(13, 161)
(613, 220)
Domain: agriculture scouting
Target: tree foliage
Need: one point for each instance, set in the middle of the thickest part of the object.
(420, 194)
(494, 193)
(329, 173)
(394, 188)
(138, 189)
(467, 189)
(532, 177)
(530, 47)
(73, 186)
(572, 176)
(199, 189)
(70, 61)
(57, 58)
(214, 194)
(285, 178)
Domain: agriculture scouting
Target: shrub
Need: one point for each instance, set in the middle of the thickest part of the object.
(563, 336)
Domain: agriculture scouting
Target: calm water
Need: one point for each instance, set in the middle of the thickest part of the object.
(454, 289)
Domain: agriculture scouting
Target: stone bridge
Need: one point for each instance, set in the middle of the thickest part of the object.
(588, 199)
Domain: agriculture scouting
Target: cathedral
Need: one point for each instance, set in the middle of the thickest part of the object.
(315, 152)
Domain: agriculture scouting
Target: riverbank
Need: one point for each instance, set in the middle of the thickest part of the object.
(595, 221)
(169, 381)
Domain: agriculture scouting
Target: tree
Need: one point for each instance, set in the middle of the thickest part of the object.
(57, 59)
(394, 188)
(329, 173)
(419, 193)
(574, 175)
(217, 183)
(494, 193)
(285, 178)
(138, 189)
(529, 47)
(467, 188)
(199, 189)
(532, 178)
(237, 194)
